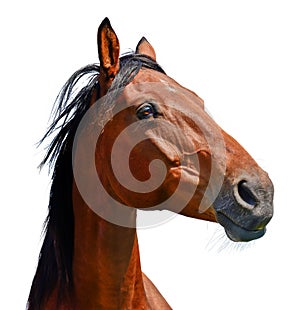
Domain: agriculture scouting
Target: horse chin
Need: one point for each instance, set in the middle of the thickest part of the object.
(237, 233)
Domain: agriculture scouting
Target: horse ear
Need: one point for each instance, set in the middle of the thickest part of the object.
(145, 48)
(108, 52)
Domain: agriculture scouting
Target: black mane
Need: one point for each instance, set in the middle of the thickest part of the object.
(54, 268)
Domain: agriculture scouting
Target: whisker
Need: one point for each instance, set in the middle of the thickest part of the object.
(220, 243)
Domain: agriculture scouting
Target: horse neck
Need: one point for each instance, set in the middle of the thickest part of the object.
(106, 263)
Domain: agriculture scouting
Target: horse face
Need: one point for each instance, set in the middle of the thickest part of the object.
(182, 161)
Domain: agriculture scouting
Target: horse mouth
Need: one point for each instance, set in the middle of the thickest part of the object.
(237, 233)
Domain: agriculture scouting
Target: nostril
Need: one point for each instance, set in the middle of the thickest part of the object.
(246, 194)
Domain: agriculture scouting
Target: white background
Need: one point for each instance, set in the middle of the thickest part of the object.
(241, 57)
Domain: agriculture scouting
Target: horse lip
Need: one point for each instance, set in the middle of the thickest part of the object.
(236, 232)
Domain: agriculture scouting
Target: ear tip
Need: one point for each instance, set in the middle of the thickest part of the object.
(105, 23)
(143, 39)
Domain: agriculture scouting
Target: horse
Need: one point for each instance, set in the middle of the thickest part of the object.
(128, 137)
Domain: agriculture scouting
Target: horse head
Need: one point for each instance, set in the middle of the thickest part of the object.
(157, 148)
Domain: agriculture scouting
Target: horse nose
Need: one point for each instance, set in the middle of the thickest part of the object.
(245, 195)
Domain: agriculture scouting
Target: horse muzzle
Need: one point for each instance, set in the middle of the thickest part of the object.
(245, 208)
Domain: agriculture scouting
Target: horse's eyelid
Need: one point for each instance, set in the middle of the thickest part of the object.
(150, 102)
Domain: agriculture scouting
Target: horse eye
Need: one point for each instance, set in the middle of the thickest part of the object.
(146, 111)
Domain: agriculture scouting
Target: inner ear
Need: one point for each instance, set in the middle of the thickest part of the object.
(108, 49)
(145, 48)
